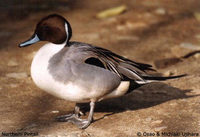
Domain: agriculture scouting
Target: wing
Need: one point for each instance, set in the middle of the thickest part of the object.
(117, 64)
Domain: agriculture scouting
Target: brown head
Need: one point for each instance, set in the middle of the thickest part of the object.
(53, 28)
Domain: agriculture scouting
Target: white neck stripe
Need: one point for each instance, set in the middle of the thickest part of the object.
(67, 31)
(67, 34)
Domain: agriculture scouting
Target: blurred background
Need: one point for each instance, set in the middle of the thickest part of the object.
(163, 33)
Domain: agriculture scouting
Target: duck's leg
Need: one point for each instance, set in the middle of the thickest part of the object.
(77, 110)
(74, 118)
(76, 113)
(84, 123)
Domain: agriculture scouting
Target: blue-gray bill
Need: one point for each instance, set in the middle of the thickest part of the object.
(32, 40)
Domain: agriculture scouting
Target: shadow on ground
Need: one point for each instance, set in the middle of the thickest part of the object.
(143, 97)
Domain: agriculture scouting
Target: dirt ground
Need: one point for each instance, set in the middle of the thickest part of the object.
(161, 33)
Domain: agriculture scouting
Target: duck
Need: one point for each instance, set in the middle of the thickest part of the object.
(81, 72)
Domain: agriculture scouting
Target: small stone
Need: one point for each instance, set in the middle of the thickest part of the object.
(160, 11)
(128, 109)
(197, 55)
(106, 117)
(13, 85)
(12, 63)
(168, 73)
(0, 88)
(19, 75)
(157, 122)
(121, 27)
(190, 46)
(55, 111)
(147, 15)
(160, 128)
(131, 26)
(148, 119)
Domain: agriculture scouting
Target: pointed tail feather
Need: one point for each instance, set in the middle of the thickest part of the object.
(149, 79)
(160, 78)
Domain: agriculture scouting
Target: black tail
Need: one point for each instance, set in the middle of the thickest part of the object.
(160, 78)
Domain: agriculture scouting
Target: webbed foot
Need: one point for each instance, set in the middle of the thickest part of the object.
(74, 118)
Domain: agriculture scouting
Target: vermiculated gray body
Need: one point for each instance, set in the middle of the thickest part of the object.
(68, 65)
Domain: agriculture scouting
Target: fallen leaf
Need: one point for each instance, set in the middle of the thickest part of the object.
(111, 12)
(197, 15)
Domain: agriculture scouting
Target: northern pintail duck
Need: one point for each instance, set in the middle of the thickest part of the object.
(81, 72)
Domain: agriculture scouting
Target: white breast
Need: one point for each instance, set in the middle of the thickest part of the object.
(45, 81)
